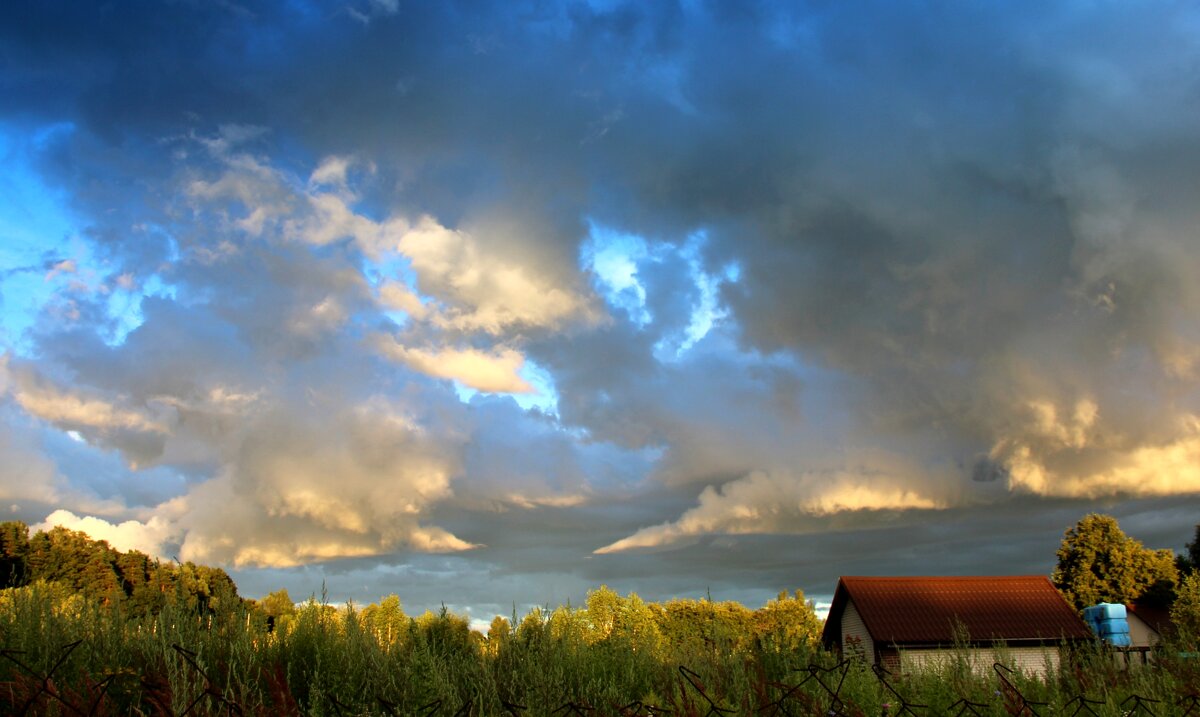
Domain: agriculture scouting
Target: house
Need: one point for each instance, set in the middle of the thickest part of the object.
(1147, 625)
(908, 623)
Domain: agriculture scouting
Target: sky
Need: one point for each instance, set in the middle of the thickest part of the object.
(489, 304)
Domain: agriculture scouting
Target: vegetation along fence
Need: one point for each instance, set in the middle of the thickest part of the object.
(63, 656)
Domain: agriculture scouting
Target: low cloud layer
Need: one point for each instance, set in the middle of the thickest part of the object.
(553, 293)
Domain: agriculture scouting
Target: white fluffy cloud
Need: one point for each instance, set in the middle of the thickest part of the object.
(150, 537)
(476, 287)
(483, 290)
(337, 481)
(832, 303)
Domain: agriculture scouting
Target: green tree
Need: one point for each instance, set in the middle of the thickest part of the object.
(144, 583)
(531, 633)
(95, 571)
(1185, 613)
(1190, 561)
(386, 620)
(72, 558)
(218, 590)
(787, 623)
(278, 607)
(14, 552)
(99, 578)
(445, 633)
(704, 627)
(629, 623)
(1098, 562)
(603, 605)
(568, 626)
(499, 633)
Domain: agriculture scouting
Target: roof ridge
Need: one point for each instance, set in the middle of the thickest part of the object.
(896, 578)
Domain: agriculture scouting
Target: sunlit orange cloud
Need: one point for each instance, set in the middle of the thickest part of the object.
(780, 503)
(44, 400)
(1171, 468)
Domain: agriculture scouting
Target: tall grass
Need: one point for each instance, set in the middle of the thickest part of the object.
(326, 661)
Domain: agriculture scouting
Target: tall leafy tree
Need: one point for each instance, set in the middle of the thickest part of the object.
(14, 552)
(499, 633)
(279, 609)
(531, 633)
(627, 623)
(145, 596)
(1185, 613)
(386, 620)
(75, 560)
(1190, 560)
(1098, 562)
(446, 634)
(691, 627)
(99, 578)
(787, 623)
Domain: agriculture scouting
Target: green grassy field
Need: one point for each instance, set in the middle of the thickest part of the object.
(618, 656)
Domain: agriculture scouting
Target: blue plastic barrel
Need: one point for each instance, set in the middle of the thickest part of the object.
(1114, 626)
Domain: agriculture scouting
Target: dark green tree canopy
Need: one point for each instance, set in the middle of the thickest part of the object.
(14, 554)
(1190, 561)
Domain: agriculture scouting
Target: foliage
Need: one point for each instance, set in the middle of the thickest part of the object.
(133, 581)
(1190, 561)
(786, 624)
(14, 554)
(1098, 562)
(1185, 613)
(71, 645)
(340, 661)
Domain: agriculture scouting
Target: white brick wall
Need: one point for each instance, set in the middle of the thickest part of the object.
(1031, 660)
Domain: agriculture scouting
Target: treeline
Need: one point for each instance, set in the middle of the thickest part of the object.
(280, 658)
(680, 627)
(141, 586)
(1097, 562)
(132, 581)
(615, 655)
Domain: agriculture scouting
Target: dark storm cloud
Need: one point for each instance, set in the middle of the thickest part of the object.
(951, 250)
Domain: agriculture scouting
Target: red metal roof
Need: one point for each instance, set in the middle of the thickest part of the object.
(925, 610)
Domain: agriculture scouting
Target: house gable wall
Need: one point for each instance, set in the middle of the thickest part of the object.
(854, 634)
(1141, 634)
